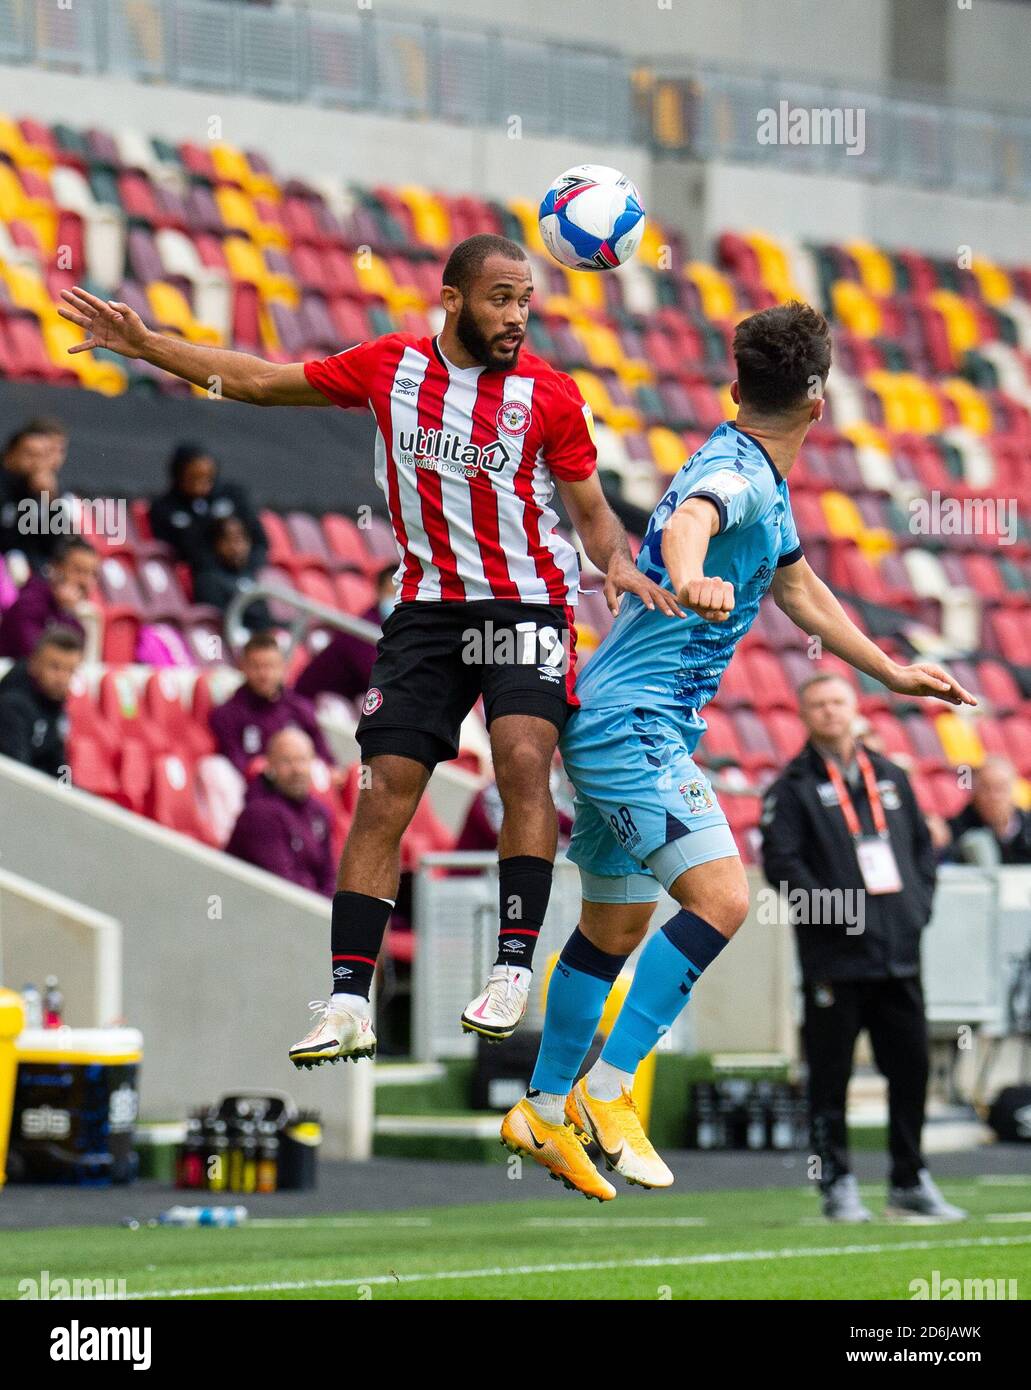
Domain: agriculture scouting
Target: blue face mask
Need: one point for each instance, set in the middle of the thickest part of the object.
(386, 607)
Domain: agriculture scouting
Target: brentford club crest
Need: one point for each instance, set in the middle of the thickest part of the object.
(513, 417)
(373, 700)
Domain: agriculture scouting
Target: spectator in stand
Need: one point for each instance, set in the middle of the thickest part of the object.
(344, 665)
(991, 828)
(33, 722)
(262, 706)
(282, 827)
(230, 570)
(196, 498)
(30, 494)
(50, 598)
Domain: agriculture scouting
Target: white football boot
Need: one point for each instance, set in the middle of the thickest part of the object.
(495, 1013)
(338, 1035)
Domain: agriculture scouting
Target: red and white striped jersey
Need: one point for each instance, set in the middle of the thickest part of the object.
(466, 458)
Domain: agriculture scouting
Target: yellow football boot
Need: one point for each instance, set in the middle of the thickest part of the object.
(559, 1148)
(616, 1128)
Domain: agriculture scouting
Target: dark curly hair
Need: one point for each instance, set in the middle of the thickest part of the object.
(781, 355)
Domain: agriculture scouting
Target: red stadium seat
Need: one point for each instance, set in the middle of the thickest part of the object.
(172, 801)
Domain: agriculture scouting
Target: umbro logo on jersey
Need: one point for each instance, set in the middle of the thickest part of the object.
(406, 387)
(445, 452)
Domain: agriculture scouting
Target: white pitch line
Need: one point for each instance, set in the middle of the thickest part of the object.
(587, 1266)
(1016, 1216)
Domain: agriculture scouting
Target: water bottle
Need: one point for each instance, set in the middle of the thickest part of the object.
(53, 1004)
(203, 1216)
(33, 1001)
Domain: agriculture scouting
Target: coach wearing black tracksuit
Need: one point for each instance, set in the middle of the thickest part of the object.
(842, 817)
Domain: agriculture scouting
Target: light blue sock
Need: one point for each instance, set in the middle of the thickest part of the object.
(665, 975)
(577, 991)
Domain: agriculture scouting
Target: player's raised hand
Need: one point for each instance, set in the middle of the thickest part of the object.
(710, 597)
(924, 678)
(108, 324)
(624, 577)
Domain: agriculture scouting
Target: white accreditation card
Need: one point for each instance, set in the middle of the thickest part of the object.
(877, 865)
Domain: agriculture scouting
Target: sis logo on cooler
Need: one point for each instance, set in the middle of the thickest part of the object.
(513, 417)
(373, 700)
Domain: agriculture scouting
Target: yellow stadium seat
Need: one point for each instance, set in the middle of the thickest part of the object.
(960, 740)
(429, 216)
(843, 516)
(20, 151)
(726, 401)
(26, 289)
(527, 214)
(233, 165)
(586, 290)
(171, 308)
(974, 411)
(876, 270)
(109, 378)
(375, 278)
(714, 290)
(774, 267)
(668, 449)
(855, 308)
(592, 388)
(961, 326)
(996, 285)
(246, 262)
(865, 435)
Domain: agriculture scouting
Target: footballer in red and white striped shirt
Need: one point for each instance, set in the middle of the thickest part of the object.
(473, 437)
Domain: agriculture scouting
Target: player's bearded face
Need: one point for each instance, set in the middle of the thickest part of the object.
(488, 338)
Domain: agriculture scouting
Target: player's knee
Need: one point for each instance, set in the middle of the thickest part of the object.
(523, 773)
(725, 910)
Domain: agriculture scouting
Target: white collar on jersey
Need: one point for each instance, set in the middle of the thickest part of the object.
(461, 372)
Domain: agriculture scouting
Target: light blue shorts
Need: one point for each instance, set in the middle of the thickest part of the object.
(645, 811)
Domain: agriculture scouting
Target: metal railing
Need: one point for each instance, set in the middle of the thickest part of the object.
(816, 126)
(294, 611)
(424, 67)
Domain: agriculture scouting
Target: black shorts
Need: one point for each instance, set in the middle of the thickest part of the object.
(435, 659)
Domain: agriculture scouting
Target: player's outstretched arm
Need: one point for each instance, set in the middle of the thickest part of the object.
(685, 543)
(809, 603)
(605, 542)
(236, 375)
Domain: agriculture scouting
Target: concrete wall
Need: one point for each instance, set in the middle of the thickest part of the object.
(219, 999)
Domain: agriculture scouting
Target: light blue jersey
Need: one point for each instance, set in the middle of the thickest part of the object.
(628, 748)
(651, 660)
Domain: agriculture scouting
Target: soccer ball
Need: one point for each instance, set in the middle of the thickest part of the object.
(591, 218)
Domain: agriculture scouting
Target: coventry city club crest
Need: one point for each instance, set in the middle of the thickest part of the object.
(697, 796)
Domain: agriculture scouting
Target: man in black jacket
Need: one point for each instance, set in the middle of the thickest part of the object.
(844, 839)
(33, 722)
(991, 828)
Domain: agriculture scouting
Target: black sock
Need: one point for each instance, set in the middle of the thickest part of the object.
(359, 923)
(524, 881)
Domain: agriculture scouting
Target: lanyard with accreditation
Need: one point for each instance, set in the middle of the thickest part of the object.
(874, 852)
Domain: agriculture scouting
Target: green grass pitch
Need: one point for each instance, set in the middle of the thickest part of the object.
(754, 1244)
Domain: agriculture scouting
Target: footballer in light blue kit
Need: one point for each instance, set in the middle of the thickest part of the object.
(646, 815)
(645, 811)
